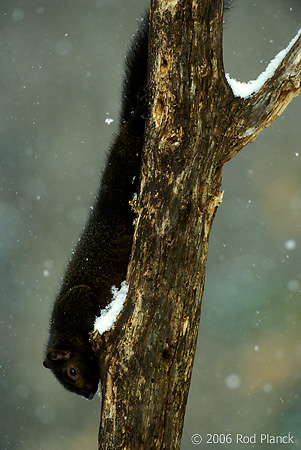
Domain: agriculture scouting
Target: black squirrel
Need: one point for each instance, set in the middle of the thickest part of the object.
(101, 256)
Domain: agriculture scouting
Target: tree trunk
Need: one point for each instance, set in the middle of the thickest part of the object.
(195, 125)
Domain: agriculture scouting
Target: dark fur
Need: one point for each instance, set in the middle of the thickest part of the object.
(101, 257)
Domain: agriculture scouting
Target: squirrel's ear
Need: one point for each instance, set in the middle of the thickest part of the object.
(58, 355)
(46, 364)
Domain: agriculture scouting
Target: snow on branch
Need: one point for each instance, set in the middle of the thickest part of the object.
(258, 103)
(109, 315)
(244, 90)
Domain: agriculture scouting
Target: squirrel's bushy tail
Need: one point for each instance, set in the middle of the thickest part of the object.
(135, 71)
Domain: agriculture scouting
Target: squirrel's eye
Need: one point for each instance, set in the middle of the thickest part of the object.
(72, 372)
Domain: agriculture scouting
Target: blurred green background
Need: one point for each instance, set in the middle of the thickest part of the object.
(61, 69)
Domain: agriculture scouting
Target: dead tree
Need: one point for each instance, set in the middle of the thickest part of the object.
(196, 125)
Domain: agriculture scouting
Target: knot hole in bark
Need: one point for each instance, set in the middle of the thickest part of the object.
(159, 109)
(164, 65)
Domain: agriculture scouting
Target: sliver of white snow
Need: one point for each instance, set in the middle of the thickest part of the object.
(244, 90)
(108, 315)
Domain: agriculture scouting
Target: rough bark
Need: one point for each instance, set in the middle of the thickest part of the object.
(195, 126)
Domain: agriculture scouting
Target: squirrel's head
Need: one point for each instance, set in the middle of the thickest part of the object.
(77, 372)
